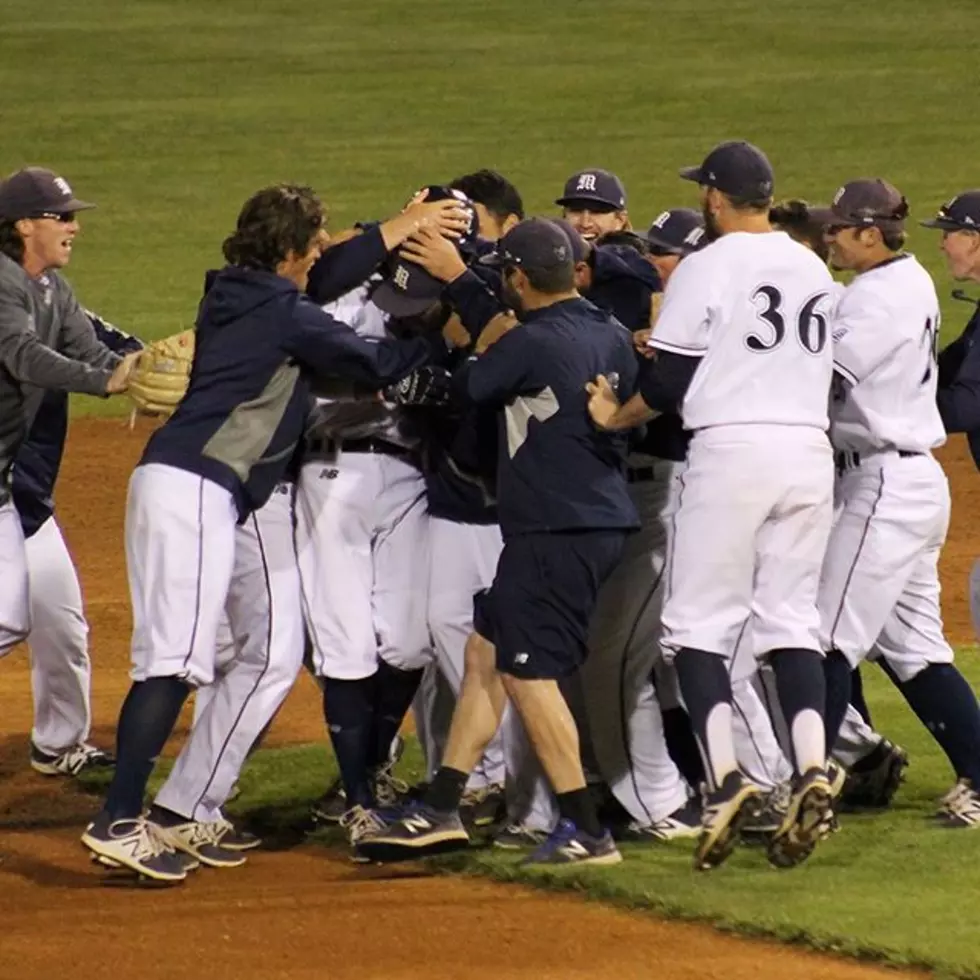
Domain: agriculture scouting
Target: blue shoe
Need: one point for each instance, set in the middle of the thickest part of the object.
(414, 831)
(136, 845)
(566, 844)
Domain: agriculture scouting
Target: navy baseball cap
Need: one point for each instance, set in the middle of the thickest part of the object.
(34, 191)
(868, 202)
(580, 247)
(595, 190)
(678, 231)
(962, 213)
(736, 168)
(535, 243)
(408, 289)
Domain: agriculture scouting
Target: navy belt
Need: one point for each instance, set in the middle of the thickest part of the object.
(334, 447)
(850, 460)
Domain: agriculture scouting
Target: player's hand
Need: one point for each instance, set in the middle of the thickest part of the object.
(603, 403)
(429, 248)
(446, 217)
(640, 341)
(502, 323)
(454, 333)
(119, 379)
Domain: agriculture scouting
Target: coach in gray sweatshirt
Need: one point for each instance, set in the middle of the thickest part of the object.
(46, 342)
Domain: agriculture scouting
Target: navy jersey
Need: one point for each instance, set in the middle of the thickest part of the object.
(38, 460)
(556, 471)
(958, 393)
(259, 343)
(622, 284)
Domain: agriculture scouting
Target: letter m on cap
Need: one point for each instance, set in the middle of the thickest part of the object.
(586, 182)
(63, 186)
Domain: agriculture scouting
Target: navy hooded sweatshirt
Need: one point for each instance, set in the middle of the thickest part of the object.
(259, 341)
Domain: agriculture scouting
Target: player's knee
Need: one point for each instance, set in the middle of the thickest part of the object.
(479, 656)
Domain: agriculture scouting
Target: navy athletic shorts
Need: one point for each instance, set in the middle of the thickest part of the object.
(538, 609)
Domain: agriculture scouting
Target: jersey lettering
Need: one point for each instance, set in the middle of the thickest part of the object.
(930, 340)
(811, 325)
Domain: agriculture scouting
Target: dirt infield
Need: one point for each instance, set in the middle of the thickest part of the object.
(301, 913)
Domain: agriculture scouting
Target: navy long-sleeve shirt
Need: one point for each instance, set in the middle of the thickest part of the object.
(958, 393)
(259, 342)
(556, 471)
(38, 460)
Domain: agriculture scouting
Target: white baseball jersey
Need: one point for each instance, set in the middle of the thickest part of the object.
(884, 343)
(756, 308)
(364, 417)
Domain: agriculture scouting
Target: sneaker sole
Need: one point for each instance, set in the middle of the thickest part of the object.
(809, 820)
(48, 769)
(518, 846)
(380, 850)
(103, 851)
(241, 848)
(715, 846)
(597, 859)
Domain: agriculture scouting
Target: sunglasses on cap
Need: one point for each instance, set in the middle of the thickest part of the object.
(65, 217)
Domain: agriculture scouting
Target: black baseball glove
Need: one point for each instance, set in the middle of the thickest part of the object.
(427, 386)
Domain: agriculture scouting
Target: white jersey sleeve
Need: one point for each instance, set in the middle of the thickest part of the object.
(859, 324)
(683, 325)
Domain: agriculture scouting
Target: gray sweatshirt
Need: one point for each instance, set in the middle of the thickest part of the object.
(46, 341)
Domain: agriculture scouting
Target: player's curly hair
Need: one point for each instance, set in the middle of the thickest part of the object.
(273, 222)
(11, 244)
(795, 218)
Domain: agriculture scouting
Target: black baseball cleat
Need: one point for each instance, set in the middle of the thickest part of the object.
(484, 806)
(726, 810)
(873, 781)
(809, 819)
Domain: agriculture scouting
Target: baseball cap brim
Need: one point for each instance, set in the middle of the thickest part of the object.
(946, 224)
(590, 203)
(661, 243)
(692, 173)
(398, 304)
(73, 205)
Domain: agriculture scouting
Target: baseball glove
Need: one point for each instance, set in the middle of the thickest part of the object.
(428, 385)
(160, 377)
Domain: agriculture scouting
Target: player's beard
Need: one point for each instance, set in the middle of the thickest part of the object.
(711, 228)
(511, 298)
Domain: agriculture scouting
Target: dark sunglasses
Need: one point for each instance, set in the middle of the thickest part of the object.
(65, 217)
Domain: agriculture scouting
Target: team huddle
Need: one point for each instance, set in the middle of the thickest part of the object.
(618, 516)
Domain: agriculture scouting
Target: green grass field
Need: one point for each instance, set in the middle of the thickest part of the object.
(168, 113)
(889, 887)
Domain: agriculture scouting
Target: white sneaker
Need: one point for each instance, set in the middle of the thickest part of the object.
(203, 841)
(960, 807)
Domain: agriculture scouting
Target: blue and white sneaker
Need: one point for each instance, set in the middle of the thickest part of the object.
(414, 831)
(566, 844)
(136, 845)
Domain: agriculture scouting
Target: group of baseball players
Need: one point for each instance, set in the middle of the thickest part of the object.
(618, 516)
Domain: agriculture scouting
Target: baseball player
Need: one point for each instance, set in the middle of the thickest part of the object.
(624, 715)
(214, 462)
(460, 473)
(465, 544)
(594, 202)
(61, 670)
(362, 531)
(959, 378)
(743, 345)
(564, 513)
(880, 584)
(46, 343)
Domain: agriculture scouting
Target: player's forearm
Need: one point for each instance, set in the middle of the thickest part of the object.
(344, 267)
(631, 414)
